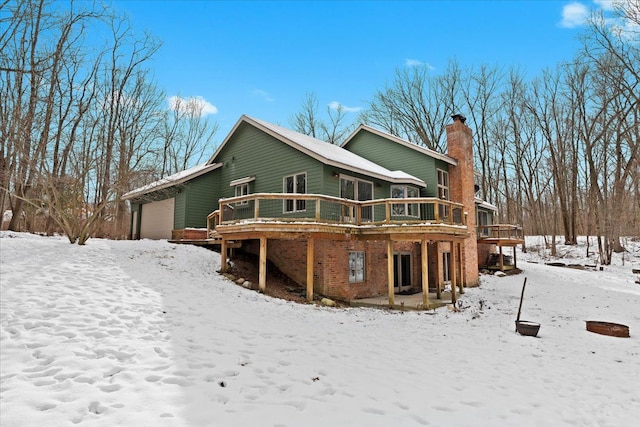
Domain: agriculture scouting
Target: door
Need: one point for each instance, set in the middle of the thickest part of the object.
(446, 264)
(365, 192)
(355, 189)
(402, 272)
(156, 221)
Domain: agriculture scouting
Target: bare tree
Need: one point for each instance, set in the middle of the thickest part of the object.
(306, 121)
(417, 106)
(185, 135)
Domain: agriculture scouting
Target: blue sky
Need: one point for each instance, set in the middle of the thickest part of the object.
(261, 58)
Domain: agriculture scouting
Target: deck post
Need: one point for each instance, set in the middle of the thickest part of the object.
(515, 262)
(501, 260)
(452, 272)
(460, 267)
(390, 275)
(438, 273)
(223, 256)
(262, 280)
(425, 275)
(310, 245)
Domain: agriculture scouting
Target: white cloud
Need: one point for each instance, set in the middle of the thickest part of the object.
(417, 63)
(606, 4)
(334, 105)
(192, 104)
(263, 94)
(574, 15)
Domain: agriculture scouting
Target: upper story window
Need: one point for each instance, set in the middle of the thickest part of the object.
(443, 184)
(241, 188)
(296, 184)
(403, 192)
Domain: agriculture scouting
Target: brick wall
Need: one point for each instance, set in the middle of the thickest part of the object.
(331, 265)
(461, 190)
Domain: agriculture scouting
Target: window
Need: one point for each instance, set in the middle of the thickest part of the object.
(483, 222)
(402, 192)
(443, 184)
(355, 189)
(356, 267)
(295, 184)
(242, 190)
(443, 193)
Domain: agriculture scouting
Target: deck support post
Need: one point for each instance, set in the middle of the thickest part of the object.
(460, 267)
(438, 273)
(501, 260)
(515, 262)
(223, 256)
(390, 275)
(262, 280)
(452, 271)
(425, 274)
(310, 245)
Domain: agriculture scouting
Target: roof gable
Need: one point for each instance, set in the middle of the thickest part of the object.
(423, 150)
(323, 152)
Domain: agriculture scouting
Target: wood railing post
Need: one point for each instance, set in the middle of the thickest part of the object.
(387, 211)
(318, 210)
(256, 208)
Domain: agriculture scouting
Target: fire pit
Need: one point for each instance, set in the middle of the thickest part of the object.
(608, 328)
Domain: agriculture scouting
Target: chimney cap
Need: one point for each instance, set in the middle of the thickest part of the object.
(460, 117)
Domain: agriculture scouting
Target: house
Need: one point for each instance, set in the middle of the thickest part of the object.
(376, 216)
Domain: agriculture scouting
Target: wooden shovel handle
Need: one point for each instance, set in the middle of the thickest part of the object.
(520, 306)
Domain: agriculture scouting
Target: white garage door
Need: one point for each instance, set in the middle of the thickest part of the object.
(157, 219)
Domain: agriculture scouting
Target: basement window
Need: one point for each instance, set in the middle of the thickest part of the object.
(356, 267)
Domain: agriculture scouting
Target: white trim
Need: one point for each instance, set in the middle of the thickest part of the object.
(170, 181)
(244, 180)
(324, 152)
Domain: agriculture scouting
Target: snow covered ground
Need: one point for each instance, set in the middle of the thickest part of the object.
(145, 333)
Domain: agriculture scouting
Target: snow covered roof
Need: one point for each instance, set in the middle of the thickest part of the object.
(324, 152)
(404, 142)
(171, 180)
(485, 204)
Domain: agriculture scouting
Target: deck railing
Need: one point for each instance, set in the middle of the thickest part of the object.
(500, 231)
(287, 207)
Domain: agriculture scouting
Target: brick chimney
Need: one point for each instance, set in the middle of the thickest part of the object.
(461, 189)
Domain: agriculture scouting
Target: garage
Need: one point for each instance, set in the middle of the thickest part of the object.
(157, 219)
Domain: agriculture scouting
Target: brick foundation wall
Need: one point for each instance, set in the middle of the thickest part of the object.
(331, 265)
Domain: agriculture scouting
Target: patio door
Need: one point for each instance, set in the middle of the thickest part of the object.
(446, 264)
(402, 272)
(355, 189)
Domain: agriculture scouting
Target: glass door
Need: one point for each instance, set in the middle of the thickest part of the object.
(402, 272)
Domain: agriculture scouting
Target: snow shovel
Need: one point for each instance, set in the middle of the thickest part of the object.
(525, 327)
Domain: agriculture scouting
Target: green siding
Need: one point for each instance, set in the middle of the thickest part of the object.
(394, 156)
(251, 152)
(179, 209)
(201, 196)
